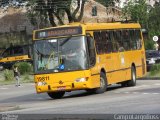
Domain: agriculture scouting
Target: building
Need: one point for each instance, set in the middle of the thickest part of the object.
(96, 12)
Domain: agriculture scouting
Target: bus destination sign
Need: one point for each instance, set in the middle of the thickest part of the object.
(57, 32)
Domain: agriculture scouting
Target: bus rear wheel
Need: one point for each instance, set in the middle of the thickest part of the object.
(103, 84)
(56, 95)
(132, 82)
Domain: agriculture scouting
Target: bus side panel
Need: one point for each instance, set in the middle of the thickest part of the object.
(118, 72)
(105, 62)
(134, 57)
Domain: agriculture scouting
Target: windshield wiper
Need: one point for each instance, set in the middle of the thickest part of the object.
(66, 40)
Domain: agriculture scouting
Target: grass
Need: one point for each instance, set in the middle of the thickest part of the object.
(23, 79)
(153, 74)
(154, 71)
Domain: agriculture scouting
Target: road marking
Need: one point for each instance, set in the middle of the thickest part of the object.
(126, 92)
(141, 86)
(157, 84)
(155, 93)
(135, 92)
(145, 93)
(3, 88)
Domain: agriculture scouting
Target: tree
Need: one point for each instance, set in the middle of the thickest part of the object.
(154, 20)
(137, 10)
(53, 10)
(148, 16)
(43, 13)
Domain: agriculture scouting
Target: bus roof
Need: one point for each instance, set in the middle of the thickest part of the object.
(117, 25)
(78, 28)
(92, 26)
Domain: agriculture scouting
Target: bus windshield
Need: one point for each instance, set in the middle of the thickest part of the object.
(61, 54)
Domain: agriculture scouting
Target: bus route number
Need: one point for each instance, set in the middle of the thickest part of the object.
(43, 78)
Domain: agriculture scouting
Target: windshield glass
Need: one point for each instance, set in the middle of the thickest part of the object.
(61, 54)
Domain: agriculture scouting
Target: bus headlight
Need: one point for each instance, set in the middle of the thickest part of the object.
(81, 80)
(41, 83)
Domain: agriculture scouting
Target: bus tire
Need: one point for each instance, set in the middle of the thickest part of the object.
(132, 82)
(103, 84)
(56, 95)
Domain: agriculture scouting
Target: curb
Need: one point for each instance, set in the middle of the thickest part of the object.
(149, 78)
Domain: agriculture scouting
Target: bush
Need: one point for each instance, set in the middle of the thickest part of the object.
(26, 77)
(24, 67)
(8, 75)
(155, 69)
(149, 44)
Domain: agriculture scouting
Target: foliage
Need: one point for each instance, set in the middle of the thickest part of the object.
(154, 69)
(43, 13)
(24, 67)
(154, 20)
(8, 75)
(137, 10)
(149, 44)
(49, 10)
(148, 16)
(26, 77)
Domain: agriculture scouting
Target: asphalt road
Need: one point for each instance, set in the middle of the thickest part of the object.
(144, 98)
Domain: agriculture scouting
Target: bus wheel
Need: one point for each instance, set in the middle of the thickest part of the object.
(103, 84)
(132, 82)
(56, 95)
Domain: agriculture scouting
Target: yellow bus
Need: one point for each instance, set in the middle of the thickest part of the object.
(13, 54)
(88, 57)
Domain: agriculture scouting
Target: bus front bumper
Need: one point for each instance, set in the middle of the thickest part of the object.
(68, 81)
(65, 87)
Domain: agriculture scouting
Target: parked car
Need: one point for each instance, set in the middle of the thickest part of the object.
(152, 57)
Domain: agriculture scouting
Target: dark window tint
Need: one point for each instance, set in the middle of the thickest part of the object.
(126, 39)
(91, 51)
(138, 39)
(7, 52)
(18, 51)
(103, 41)
(117, 40)
(133, 40)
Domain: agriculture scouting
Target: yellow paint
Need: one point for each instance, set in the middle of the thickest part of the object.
(66, 79)
(14, 58)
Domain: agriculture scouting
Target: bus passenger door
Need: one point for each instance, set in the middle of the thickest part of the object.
(93, 64)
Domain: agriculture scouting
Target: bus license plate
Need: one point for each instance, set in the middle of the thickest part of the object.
(61, 88)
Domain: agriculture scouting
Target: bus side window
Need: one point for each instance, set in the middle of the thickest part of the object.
(115, 41)
(91, 50)
(18, 51)
(98, 41)
(133, 40)
(138, 39)
(126, 39)
(6, 53)
(109, 47)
